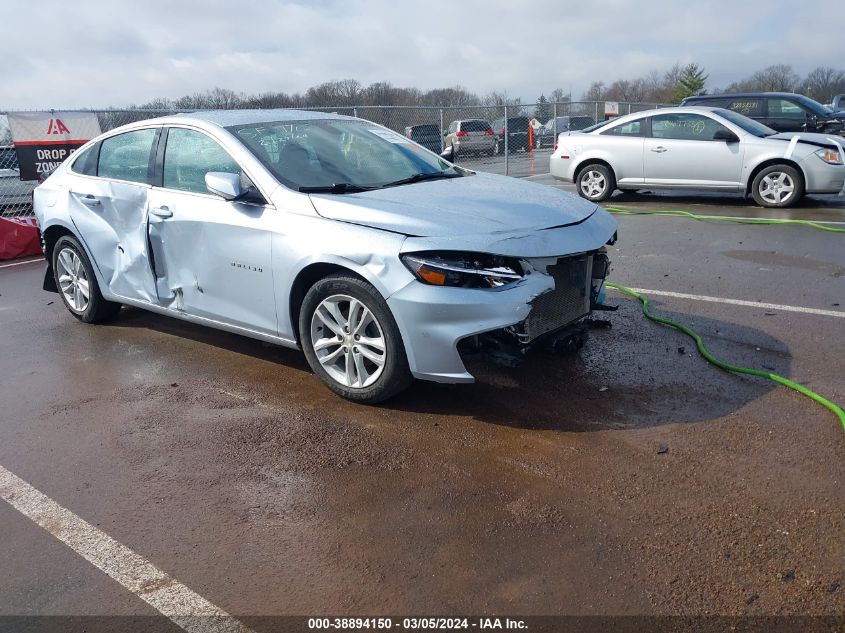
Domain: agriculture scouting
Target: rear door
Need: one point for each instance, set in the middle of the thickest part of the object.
(212, 257)
(108, 204)
(752, 107)
(682, 153)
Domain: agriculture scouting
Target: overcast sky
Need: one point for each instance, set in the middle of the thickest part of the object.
(94, 53)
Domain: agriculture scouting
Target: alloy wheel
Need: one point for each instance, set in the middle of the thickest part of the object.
(593, 183)
(73, 281)
(348, 341)
(777, 187)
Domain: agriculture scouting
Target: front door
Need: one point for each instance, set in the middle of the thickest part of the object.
(212, 258)
(786, 116)
(682, 153)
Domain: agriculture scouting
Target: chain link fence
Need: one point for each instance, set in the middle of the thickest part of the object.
(514, 140)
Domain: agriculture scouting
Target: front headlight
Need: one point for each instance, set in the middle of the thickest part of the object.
(830, 156)
(463, 270)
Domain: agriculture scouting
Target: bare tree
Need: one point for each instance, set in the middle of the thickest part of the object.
(823, 83)
(775, 78)
(559, 95)
(454, 96)
(596, 92)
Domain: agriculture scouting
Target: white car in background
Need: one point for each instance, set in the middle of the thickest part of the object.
(710, 149)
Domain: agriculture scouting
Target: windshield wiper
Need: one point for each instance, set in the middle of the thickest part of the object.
(337, 187)
(420, 177)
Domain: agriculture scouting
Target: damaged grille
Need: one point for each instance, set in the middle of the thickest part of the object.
(569, 301)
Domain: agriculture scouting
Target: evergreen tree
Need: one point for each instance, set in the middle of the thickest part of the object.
(690, 82)
(543, 110)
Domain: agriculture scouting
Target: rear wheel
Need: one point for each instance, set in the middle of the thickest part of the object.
(351, 340)
(77, 284)
(595, 182)
(777, 186)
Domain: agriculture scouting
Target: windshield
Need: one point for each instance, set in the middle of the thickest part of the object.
(813, 106)
(339, 155)
(749, 125)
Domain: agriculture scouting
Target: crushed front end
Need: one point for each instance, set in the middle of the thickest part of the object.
(556, 318)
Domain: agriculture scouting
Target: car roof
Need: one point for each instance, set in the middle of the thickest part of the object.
(229, 118)
(743, 94)
(671, 110)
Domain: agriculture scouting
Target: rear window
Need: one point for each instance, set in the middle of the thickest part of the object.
(518, 124)
(632, 128)
(475, 126)
(86, 162)
(425, 130)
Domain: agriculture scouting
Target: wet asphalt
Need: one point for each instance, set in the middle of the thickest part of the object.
(628, 478)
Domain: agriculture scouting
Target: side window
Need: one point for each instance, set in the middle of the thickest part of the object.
(189, 156)
(86, 162)
(783, 109)
(747, 107)
(685, 127)
(632, 128)
(127, 156)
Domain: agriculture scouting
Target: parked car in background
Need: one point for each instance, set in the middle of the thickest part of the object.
(698, 148)
(781, 111)
(380, 260)
(838, 103)
(517, 134)
(15, 194)
(546, 135)
(469, 136)
(427, 135)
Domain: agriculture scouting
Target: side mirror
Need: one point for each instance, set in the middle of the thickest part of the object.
(725, 135)
(224, 184)
(448, 154)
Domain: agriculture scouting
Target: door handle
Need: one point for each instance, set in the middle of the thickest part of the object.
(161, 212)
(659, 149)
(89, 200)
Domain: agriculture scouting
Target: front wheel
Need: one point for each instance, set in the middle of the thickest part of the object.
(351, 340)
(777, 186)
(595, 182)
(77, 284)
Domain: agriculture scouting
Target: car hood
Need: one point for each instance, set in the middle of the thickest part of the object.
(808, 137)
(477, 204)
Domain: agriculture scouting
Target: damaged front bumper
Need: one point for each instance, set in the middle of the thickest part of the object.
(439, 324)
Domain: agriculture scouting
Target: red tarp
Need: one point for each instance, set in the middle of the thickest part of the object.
(19, 237)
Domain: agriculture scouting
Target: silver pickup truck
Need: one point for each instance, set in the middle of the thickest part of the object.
(15, 194)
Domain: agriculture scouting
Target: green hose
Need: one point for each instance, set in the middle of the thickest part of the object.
(725, 218)
(837, 411)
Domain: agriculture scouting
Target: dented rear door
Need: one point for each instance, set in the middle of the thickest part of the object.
(109, 211)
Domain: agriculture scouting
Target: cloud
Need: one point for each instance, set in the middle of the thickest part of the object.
(99, 53)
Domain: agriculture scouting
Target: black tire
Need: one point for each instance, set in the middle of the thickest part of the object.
(97, 309)
(588, 171)
(395, 375)
(762, 181)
